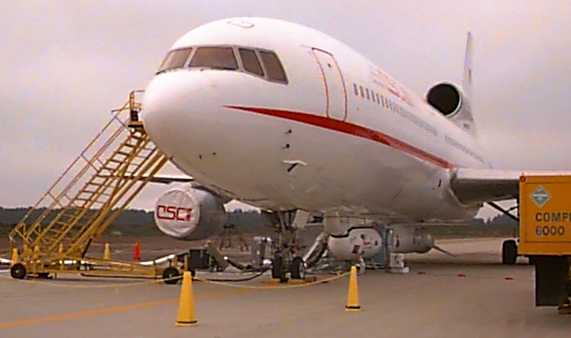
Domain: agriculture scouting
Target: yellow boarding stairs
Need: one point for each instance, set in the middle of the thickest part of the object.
(55, 234)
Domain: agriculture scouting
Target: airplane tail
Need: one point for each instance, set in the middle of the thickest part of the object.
(464, 118)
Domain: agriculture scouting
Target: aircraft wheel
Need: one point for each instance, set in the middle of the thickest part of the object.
(18, 271)
(297, 268)
(509, 252)
(277, 267)
(170, 274)
(278, 271)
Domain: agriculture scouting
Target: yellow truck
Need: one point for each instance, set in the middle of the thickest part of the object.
(545, 235)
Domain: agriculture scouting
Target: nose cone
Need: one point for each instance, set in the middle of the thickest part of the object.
(163, 104)
(186, 115)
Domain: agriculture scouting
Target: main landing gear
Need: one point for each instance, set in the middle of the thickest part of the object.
(509, 246)
(286, 260)
(509, 252)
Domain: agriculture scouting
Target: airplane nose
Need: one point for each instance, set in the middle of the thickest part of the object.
(187, 115)
(175, 110)
(161, 105)
(182, 114)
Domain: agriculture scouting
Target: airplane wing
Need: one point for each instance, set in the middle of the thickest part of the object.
(164, 179)
(170, 179)
(473, 186)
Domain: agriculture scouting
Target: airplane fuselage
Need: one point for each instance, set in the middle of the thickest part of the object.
(337, 135)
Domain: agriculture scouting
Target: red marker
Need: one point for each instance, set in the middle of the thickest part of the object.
(137, 251)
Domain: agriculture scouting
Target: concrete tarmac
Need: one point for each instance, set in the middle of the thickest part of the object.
(470, 295)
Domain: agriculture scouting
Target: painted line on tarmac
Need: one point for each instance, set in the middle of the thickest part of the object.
(102, 311)
(84, 313)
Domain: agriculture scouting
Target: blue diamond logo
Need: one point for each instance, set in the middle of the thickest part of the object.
(540, 196)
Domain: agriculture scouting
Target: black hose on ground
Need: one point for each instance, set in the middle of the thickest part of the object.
(238, 265)
(245, 279)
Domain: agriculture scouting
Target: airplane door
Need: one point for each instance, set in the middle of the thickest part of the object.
(334, 86)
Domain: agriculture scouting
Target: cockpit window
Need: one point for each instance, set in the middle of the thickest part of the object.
(273, 66)
(259, 62)
(250, 61)
(175, 59)
(214, 57)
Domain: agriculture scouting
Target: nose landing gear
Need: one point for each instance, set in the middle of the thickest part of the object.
(286, 260)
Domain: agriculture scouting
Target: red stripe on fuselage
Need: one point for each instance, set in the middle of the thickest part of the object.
(351, 129)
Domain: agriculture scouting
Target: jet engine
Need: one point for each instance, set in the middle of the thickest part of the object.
(410, 239)
(189, 213)
(446, 98)
(360, 242)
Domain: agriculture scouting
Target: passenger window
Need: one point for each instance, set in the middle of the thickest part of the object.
(251, 62)
(367, 91)
(175, 59)
(273, 66)
(355, 89)
(214, 57)
(362, 91)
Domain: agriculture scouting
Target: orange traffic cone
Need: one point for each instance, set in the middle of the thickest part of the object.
(137, 251)
(353, 292)
(185, 316)
(107, 252)
(14, 256)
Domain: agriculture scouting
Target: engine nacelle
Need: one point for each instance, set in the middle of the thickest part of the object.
(356, 243)
(189, 213)
(446, 98)
(411, 240)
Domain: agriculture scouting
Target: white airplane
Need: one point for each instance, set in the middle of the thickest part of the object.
(290, 120)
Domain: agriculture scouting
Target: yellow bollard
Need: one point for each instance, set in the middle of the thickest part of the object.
(14, 256)
(185, 316)
(60, 255)
(107, 252)
(36, 252)
(353, 292)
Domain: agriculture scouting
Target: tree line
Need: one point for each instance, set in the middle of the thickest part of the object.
(136, 221)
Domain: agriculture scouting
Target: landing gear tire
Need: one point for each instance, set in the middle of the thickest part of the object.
(297, 268)
(509, 252)
(285, 244)
(18, 271)
(170, 274)
(278, 271)
(276, 267)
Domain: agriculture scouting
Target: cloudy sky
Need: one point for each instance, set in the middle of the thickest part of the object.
(65, 64)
